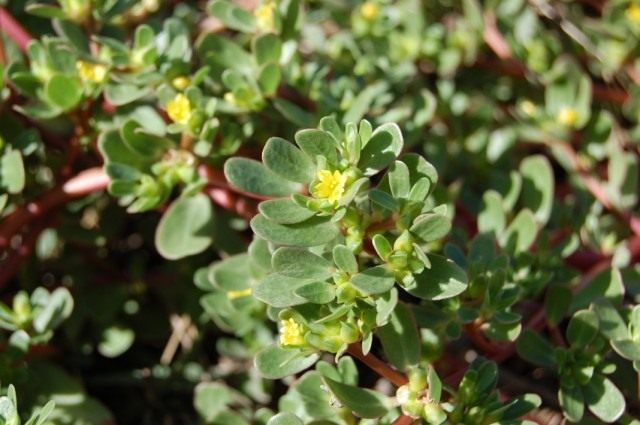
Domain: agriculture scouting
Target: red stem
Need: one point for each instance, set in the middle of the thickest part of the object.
(14, 30)
(86, 182)
(378, 366)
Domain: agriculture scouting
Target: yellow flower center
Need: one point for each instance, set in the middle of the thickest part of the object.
(567, 116)
(369, 11)
(633, 13)
(91, 72)
(179, 109)
(240, 293)
(180, 83)
(264, 14)
(291, 333)
(330, 185)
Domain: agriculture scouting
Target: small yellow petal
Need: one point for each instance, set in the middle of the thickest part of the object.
(265, 15)
(369, 11)
(91, 72)
(633, 13)
(568, 117)
(291, 333)
(179, 109)
(330, 185)
(180, 83)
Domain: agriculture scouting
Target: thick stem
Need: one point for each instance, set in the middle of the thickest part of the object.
(378, 366)
(88, 181)
(14, 30)
(403, 420)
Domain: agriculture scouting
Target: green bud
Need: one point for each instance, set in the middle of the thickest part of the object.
(22, 308)
(404, 242)
(349, 332)
(433, 414)
(476, 414)
(413, 408)
(346, 293)
(2, 143)
(398, 260)
(417, 379)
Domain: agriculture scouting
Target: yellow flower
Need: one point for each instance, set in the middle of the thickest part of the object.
(179, 109)
(528, 107)
(91, 72)
(369, 10)
(240, 293)
(264, 14)
(291, 333)
(330, 185)
(180, 83)
(568, 116)
(633, 13)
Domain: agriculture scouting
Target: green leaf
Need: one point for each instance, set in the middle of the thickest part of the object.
(430, 227)
(294, 113)
(232, 16)
(284, 211)
(12, 175)
(269, 78)
(582, 328)
(211, 398)
(492, 217)
(275, 362)
(535, 349)
(45, 11)
(627, 348)
(300, 263)
(63, 91)
(122, 94)
(186, 228)
(374, 280)
(537, 186)
(280, 291)
(556, 303)
(611, 324)
(521, 233)
(317, 143)
(344, 258)
(317, 292)
(382, 149)
(284, 159)
(572, 402)
(221, 52)
(115, 341)
(604, 399)
(607, 284)
(363, 402)
(144, 144)
(285, 419)
(400, 339)
(399, 181)
(267, 48)
(252, 177)
(312, 232)
(362, 102)
(58, 308)
(445, 279)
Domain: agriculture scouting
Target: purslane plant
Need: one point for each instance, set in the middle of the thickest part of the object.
(260, 136)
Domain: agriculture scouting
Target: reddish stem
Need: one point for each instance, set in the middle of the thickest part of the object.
(378, 366)
(403, 420)
(14, 30)
(88, 181)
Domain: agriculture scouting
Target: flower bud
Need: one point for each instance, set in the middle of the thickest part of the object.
(417, 379)
(433, 414)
